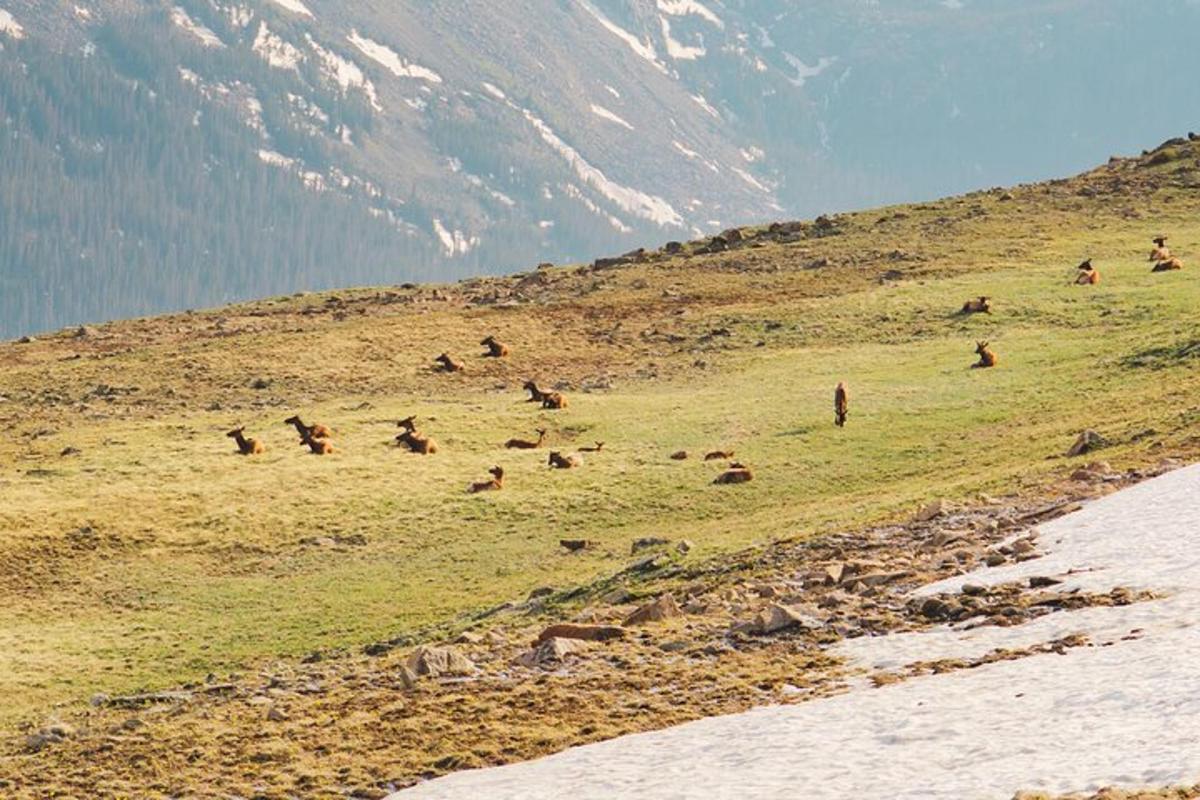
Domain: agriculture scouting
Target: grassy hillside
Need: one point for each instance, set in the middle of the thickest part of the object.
(137, 551)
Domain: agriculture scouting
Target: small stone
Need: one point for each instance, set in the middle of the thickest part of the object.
(779, 617)
(588, 633)
(408, 678)
(679, 455)
(275, 715)
(684, 546)
(834, 573)
(931, 511)
(574, 545)
(994, 560)
(661, 609)
(1086, 442)
(935, 608)
(616, 597)
(553, 650)
(1042, 581)
(973, 589)
(437, 661)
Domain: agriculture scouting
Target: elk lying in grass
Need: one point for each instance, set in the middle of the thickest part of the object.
(737, 473)
(559, 461)
(525, 444)
(413, 440)
(554, 401)
(448, 364)
(247, 447)
(718, 455)
(319, 447)
(986, 357)
(1088, 276)
(983, 305)
(536, 395)
(841, 405)
(1168, 265)
(315, 431)
(495, 349)
(495, 484)
(1160, 252)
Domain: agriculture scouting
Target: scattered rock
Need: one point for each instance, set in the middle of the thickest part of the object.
(587, 633)
(994, 559)
(646, 543)
(260, 384)
(408, 678)
(661, 609)
(684, 547)
(679, 455)
(937, 609)
(1042, 582)
(833, 574)
(938, 508)
(541, 591)
(973, 589)
(274, 714)
(780, 617)
(574, 545)
(438, 661)
(616, 597)
(1087, 441)
(551, 651)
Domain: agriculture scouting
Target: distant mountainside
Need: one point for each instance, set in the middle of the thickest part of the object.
(158, 155)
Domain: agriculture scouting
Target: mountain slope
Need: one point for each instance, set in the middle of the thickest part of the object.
(476, 138)
(139, 553)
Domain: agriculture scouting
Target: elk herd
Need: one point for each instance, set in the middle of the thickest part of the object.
(317, 437)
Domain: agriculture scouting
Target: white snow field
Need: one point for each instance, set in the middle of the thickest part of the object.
(1124, 712)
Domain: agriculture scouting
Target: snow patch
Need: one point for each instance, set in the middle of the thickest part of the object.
(276, 159)
(612, 91)
(344, 72)
(604, 113)
(205, 34)
(239, 16)
(682, 8)
(455, 243)
(692, 154)
(1123, 712)
(644, 49)
(643, 205)
(703, 103)
(804, 71)
(10, 26)
(750, 179)
(400, 67)
(295, 6)
(678, 50)
(275, 50)
(82, 13)
(494, 91)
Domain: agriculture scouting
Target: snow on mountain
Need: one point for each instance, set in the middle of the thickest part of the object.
(1122, 712)
(10, 26)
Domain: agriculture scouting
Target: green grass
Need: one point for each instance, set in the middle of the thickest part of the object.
(195, 562)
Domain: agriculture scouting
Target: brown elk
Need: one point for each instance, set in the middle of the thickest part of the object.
(1168, 265)
(983, 305)
(718, 455)
(1160, 252)
(559, 461)
(841, 405)
(525, 444)
(554, 400)
(315, 431)
(413, 440)
(737, 473)
(496, 483)
(319, 447)
(1089, 276)
(986, 357)
(448, 364)
(536, 395)
(495, 349)
(247, 447)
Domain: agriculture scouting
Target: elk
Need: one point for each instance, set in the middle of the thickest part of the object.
(496, 483)
(413, 440)
(1160, 252)
(554, 400)
(841, 405)
(536, 395)
(718, 455)
(417, 443)
(315, 431)
(737, 473)
(986, 357)
(448, 364)
(1168, 265)
(981, 306)
(525, 444)
(319, 447)
(495, 349)
(559, 461)
(1088, 276)
(247, 447)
